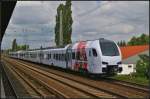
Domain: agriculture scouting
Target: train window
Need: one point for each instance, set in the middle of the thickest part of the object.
(51, 56)
(67, 56)
(41, 55)
(78, 55)
(62, 57)
(73, 55)
(109, 48)
(54, 56)
(94, 52)
(89, 53)
(59, 56)
(48, 56)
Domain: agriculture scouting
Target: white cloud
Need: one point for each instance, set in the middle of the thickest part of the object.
(114, 20)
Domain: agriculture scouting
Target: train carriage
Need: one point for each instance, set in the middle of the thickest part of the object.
(55, 57)
(99, 56)
(13, 54)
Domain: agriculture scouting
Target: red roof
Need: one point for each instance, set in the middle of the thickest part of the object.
(128, 51)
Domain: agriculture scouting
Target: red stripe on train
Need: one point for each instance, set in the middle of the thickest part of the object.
(81, 49)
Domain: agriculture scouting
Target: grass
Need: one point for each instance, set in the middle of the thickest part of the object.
(133, 79)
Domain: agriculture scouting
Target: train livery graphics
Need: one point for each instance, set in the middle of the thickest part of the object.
(99, 56)
(81, 60)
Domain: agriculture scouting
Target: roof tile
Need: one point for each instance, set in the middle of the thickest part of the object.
(129, 51)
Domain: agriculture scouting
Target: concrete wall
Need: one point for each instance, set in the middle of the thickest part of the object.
(127, 69)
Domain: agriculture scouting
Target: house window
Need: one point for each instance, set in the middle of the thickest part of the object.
(129, 66)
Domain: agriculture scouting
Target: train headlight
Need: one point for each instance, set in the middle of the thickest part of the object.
(105, 63)
(104, 69)
(120, 69)
(119, 63)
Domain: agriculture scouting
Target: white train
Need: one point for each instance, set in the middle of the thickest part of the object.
(99, 56)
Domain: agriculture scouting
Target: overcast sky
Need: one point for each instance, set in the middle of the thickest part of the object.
(33, 22)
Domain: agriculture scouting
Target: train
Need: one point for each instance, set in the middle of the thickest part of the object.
(100, 56)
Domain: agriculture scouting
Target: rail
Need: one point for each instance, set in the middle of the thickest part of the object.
(94, 83)
(10, 91)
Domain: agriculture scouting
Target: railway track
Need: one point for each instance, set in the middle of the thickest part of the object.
(76, 87)
(35, 91)
(9, 88)
(118, 89)
(129, 84)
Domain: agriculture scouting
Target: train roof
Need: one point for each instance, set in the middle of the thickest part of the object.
(59, 48)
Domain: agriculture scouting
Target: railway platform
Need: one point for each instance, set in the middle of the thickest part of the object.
(2, 90)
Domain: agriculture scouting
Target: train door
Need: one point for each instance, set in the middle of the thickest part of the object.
(69, 57)
(90, 59)
(93, 60)
(96, 59)
(40, 56)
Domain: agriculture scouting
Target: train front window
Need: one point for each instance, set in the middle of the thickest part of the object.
(109, 48)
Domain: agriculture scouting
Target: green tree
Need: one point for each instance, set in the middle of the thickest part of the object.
(124, 43)
(24, 47)
(14, 45)
(118, 43)
(57, 26)
(141, 40)
(143, 66)
(144, 39)
(132, 41)
(66, 21)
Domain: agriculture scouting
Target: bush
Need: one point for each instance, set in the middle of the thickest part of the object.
(143, 66)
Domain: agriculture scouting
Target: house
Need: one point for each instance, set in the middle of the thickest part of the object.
(130, 56)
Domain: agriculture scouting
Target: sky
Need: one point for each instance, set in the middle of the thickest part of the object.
(33, 22)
